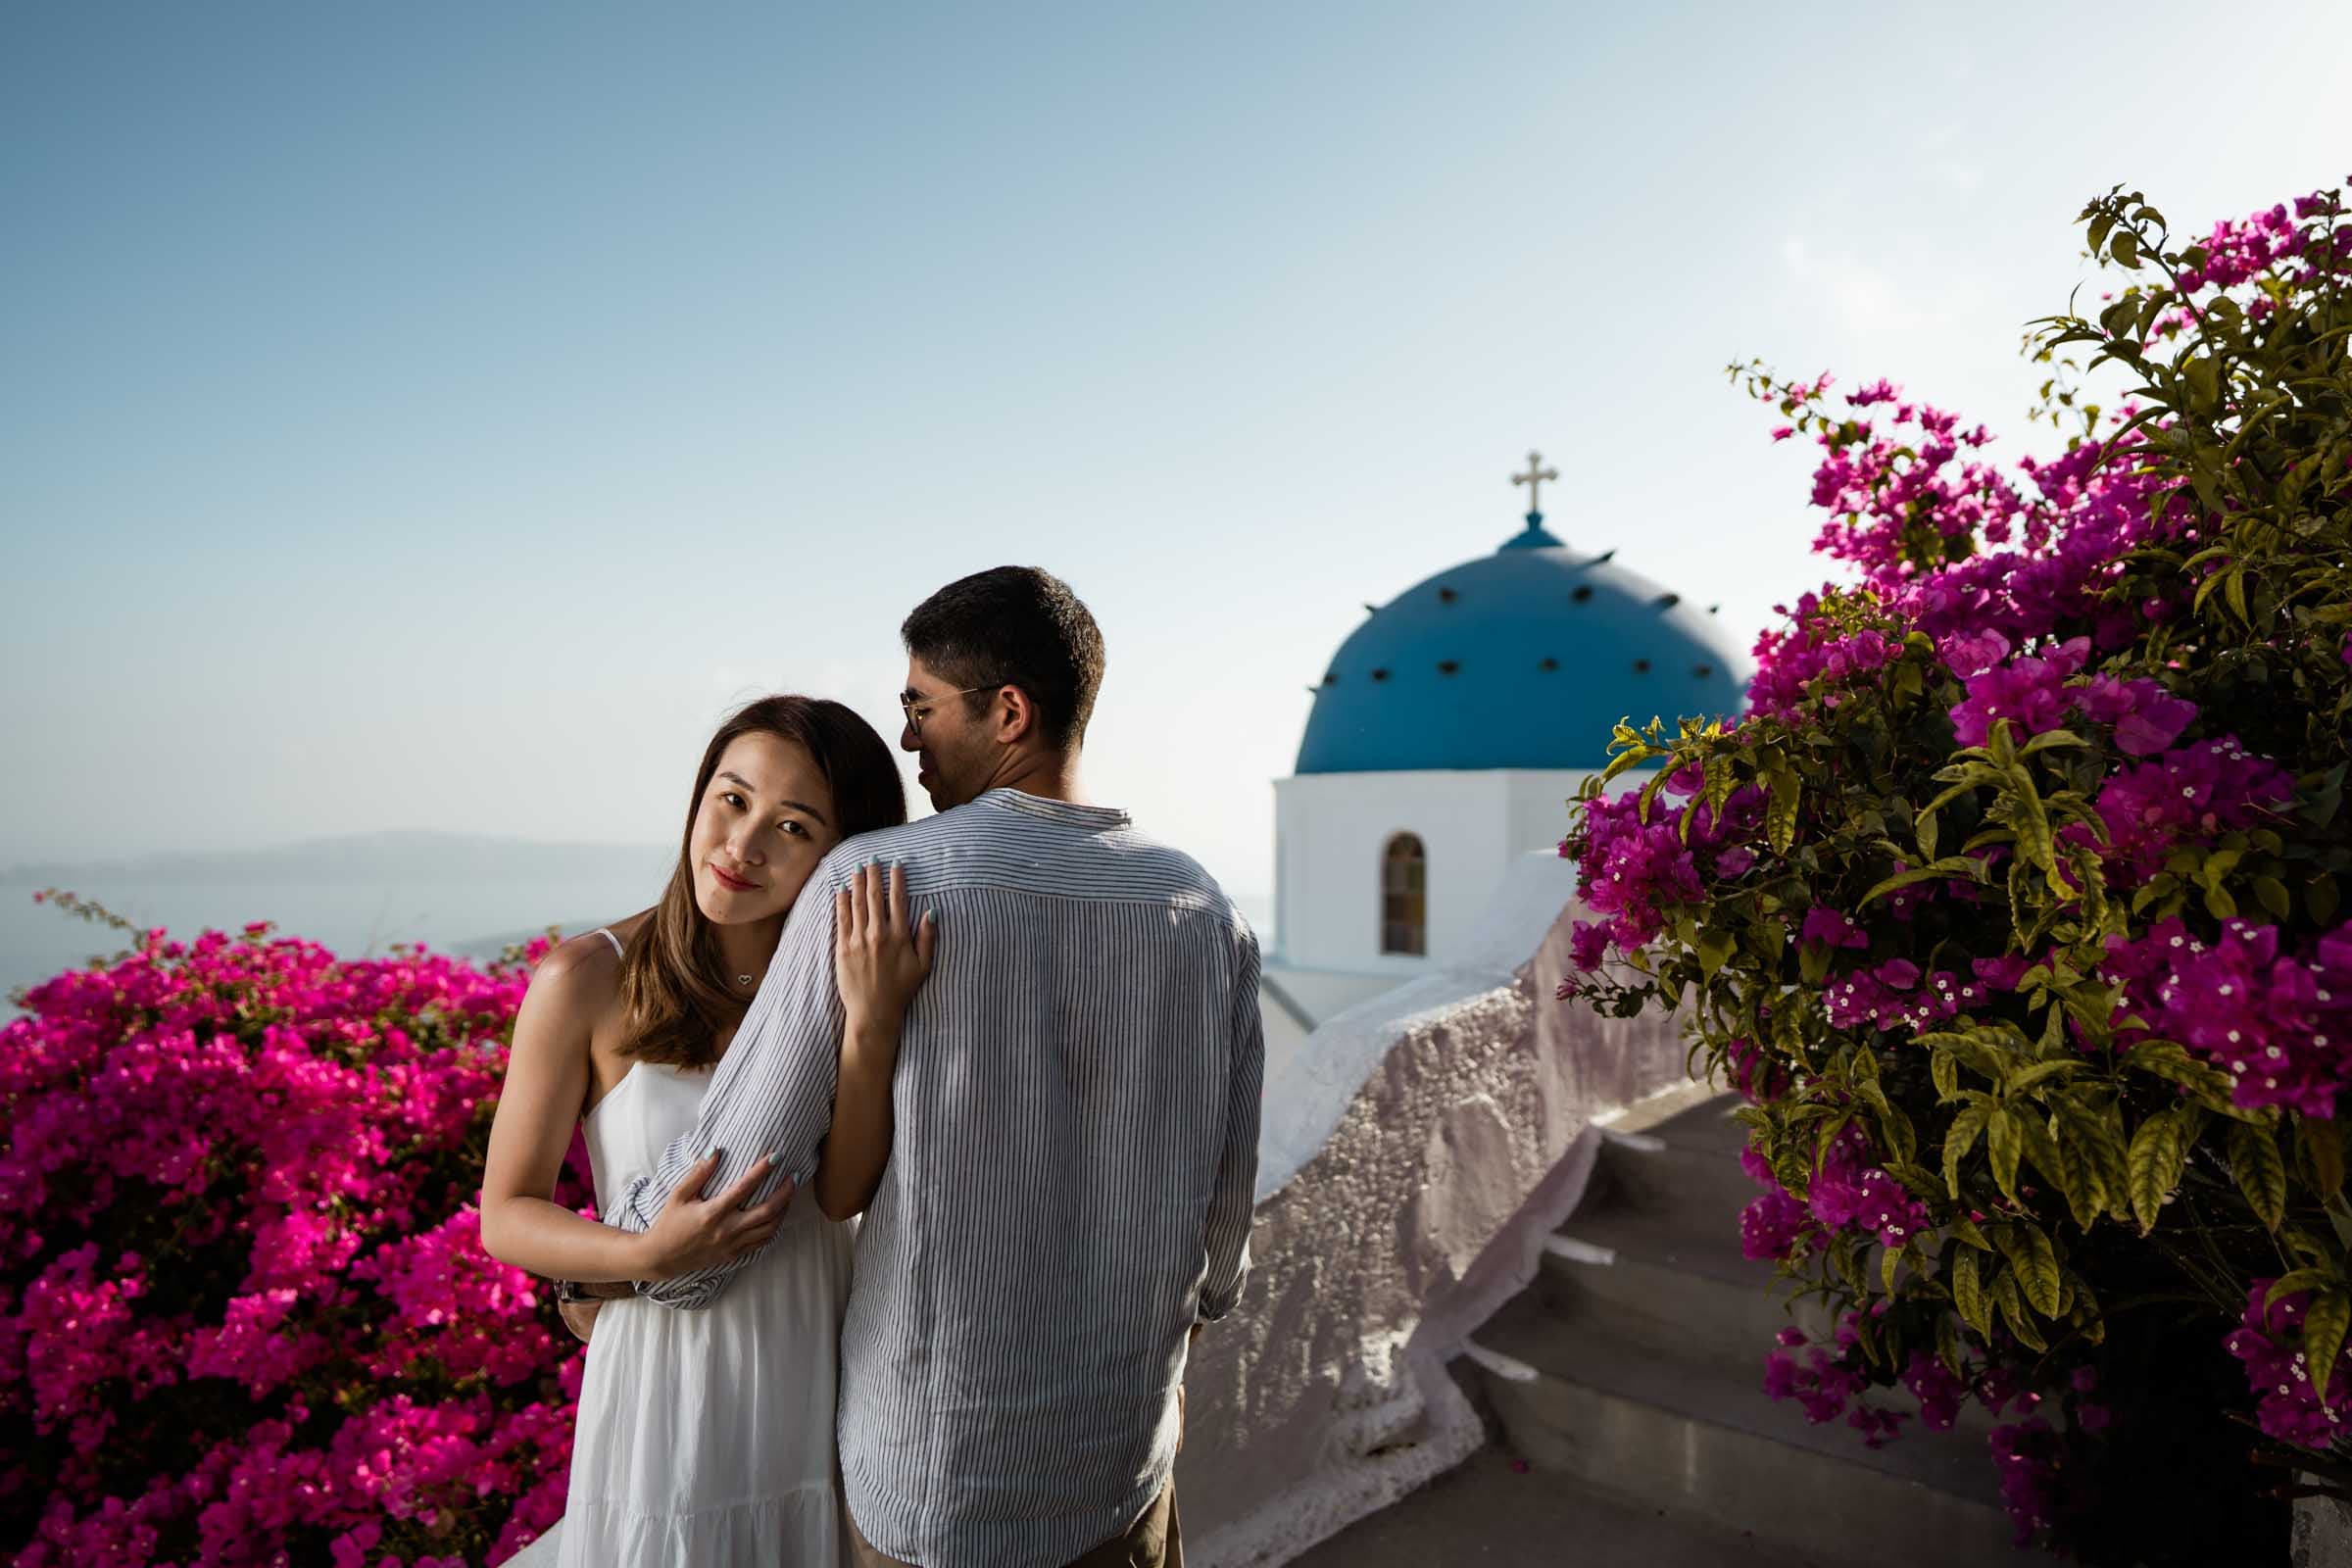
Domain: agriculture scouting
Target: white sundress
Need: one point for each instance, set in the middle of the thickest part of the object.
(706, 1438)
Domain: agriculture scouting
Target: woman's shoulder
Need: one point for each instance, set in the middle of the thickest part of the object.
(583, 972)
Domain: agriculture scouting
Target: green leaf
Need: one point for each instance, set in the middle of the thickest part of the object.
(2320, 897)
(1649, 794)
(2203, 373)
(2261, 1173)
(2031, 821)
(1633, 758)
(1715, 948)
(1968, 1293)
(1958, 1141)
(2124, 248)
(2051, 738)
(2034, 1262)
(1949, 865)
(2015, 1314)
(1782, 789)
(2019, 1082)
(2159, 1150)
(2274, 896)
(2095, 1173)
(2057, 1168)
(2004, 1141)
(1966, 1230)
(2170, 1060)
(2326, 799)
(2293, 1280)
(1944, 1068)
(2323, 1143)
(2324, 1326)
(1947, 1344)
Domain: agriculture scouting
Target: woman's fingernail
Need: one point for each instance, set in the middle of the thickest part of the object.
(775, 1157)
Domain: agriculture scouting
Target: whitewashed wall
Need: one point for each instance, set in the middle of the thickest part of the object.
(1417, 1149)
(1331, 830)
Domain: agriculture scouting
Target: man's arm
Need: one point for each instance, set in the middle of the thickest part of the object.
(1235, 1199)
(772, 1092)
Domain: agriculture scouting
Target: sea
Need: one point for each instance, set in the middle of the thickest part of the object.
(449, 908)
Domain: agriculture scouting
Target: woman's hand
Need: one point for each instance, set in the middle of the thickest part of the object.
(880, 957)
(693, 1232)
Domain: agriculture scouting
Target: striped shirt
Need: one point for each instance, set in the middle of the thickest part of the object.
(1070, 1190)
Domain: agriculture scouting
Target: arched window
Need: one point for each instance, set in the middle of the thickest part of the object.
(1404, 895)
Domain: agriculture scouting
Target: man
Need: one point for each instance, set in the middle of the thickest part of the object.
(1076, 1101)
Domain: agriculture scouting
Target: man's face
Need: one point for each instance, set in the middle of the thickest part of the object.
(951, 748)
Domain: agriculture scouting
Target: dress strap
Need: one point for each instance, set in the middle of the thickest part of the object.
(617, 950)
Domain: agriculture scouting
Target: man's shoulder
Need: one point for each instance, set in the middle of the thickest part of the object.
(905, 843)
(1185, 882)
(976, 845)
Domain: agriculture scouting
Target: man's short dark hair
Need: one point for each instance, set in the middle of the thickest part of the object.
(1014, 626)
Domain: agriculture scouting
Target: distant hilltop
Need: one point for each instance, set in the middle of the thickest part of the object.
(394, 858)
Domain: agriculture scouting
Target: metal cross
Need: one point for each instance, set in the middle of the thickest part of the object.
(1533, 479)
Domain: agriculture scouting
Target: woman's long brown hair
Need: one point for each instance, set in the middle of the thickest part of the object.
(673, 987)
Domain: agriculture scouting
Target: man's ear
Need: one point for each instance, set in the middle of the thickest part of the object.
(1015, 715)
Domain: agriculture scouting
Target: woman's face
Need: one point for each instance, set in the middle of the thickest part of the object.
(763, 823)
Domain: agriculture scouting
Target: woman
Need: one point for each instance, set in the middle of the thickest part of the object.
(706, 1436)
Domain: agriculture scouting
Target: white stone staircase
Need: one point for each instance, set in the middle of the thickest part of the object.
(1629, 1380)
(1645, 1335)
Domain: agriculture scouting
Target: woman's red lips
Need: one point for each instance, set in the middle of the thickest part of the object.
(737, 883)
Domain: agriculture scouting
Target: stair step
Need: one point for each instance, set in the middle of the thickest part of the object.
(1709, 1127)
(1668, 1177)
(1486, 1511)
(1684, 1292)
(1679, 1434)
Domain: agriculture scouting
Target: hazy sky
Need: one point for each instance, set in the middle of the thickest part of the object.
(428, 416)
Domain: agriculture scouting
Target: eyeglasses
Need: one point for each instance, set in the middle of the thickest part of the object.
(917, 707)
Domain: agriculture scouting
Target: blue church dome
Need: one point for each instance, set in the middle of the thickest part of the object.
(1526, 659)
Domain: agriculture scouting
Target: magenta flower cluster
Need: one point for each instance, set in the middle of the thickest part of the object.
(2039, 694)
(1849, 1191)
(2190, 795)
(2116, 593)
(245, 1315)
(2291, 1403)
(2280, 1026)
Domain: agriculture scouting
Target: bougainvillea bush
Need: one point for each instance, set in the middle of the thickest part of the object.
(245, 1315)
(2013, 901)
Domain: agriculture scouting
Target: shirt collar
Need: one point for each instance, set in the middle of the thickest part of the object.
(1087, 818)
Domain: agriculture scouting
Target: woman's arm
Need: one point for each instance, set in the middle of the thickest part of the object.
(539, 1107)
(880, 959)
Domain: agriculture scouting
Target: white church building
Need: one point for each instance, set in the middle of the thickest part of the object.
(1421, 823)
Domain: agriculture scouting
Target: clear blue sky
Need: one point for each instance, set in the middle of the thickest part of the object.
(433, 416)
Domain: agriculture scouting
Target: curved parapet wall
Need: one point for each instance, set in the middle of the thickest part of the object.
(1415, 1157)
